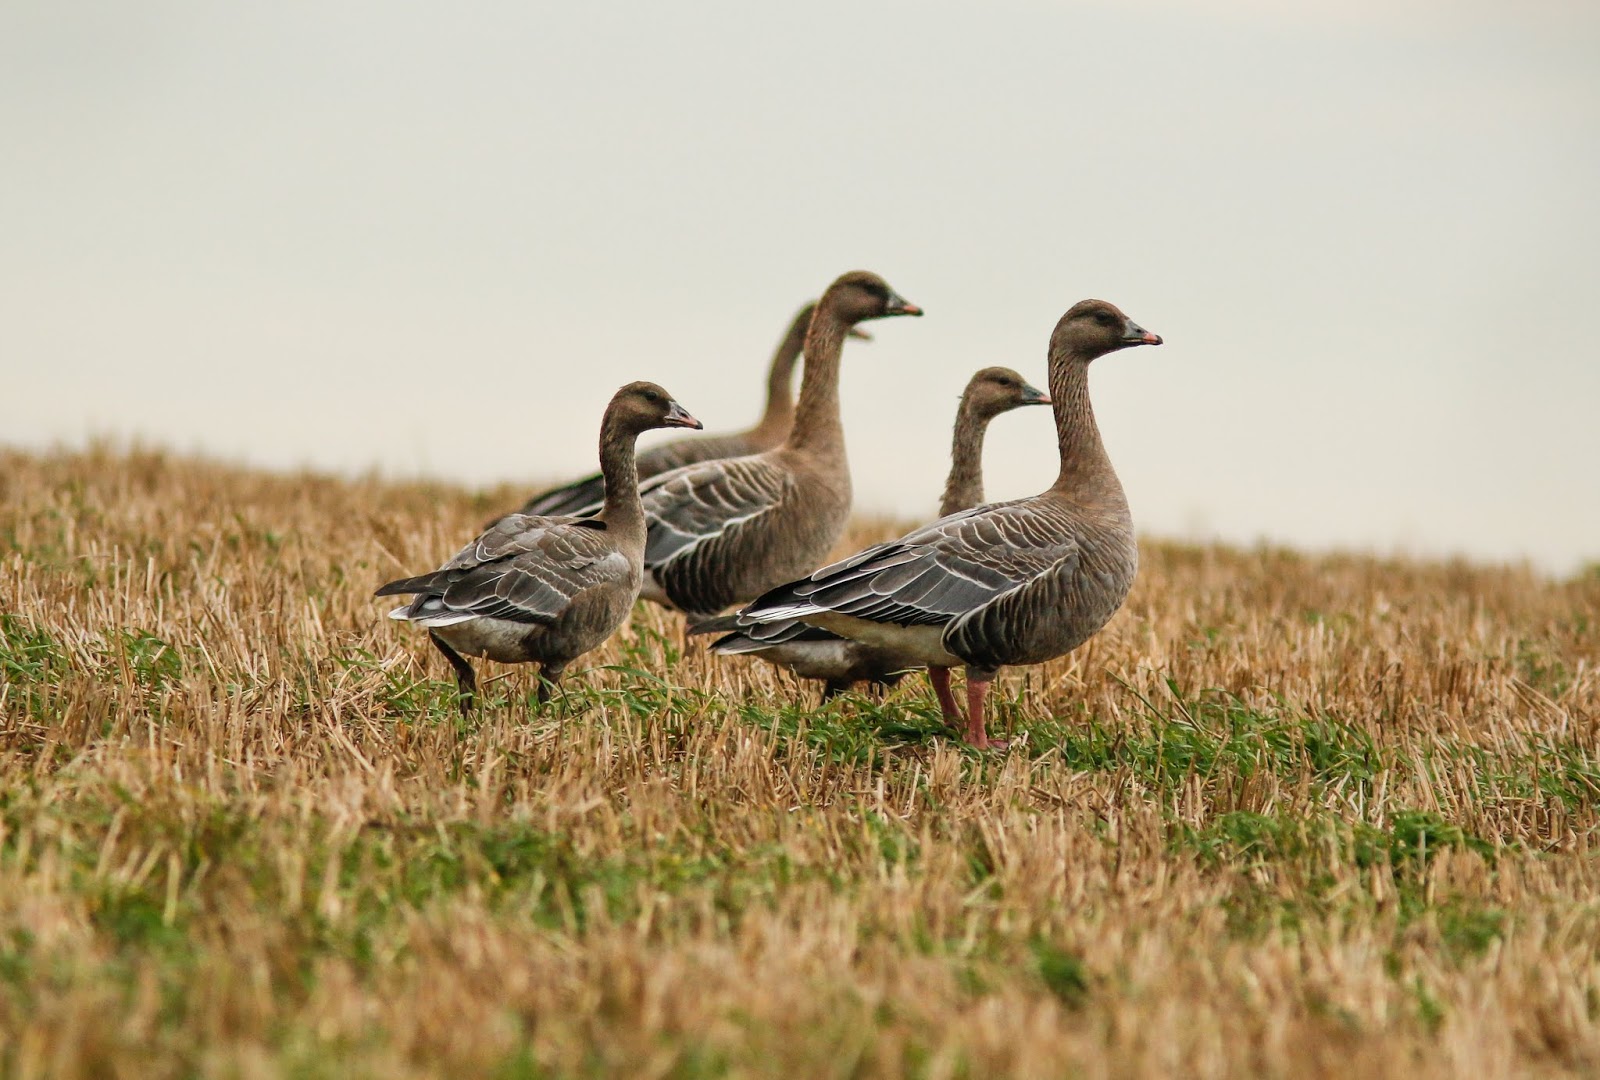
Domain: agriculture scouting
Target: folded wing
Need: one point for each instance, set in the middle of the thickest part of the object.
(523, 569)
(702, 519)
(930, 577)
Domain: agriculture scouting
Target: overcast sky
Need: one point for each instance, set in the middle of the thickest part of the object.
(434, 238)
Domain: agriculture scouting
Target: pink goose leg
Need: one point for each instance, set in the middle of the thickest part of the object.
(977, 732)
(940, 678)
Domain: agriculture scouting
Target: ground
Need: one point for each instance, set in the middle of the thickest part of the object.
(1289, 815)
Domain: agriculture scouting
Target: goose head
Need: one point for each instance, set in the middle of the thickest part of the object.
(1092, 328)
(996, 390)
(641, 406)
(861, 295)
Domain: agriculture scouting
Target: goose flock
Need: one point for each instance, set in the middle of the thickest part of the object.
(709, 523)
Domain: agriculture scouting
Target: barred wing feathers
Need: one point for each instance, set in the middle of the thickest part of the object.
(705, 518)
(933, 576)
(524, 569)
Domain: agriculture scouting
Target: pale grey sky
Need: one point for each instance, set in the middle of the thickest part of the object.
(434, 238)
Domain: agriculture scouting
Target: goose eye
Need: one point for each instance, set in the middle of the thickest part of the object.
(1104, 318)
(651, 396)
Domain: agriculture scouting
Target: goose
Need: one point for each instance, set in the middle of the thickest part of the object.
(814, 653)
(722, 532)
(546, 589)
(769, 431)
(1011, 583)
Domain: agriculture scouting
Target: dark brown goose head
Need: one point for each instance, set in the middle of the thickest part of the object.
(996, 390)
(641, 406)
(861, 295)
(1092, 328)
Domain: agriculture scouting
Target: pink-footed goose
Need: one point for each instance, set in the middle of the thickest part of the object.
(547, 589)
(814, 653)
(769, 431)
(722, 532)
(1011, 583)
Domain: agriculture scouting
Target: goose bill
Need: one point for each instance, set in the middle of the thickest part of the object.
(1135, 334)
(678, 416)
(899, 305)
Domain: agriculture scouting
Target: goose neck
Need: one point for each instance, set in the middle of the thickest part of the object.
(963, 489)
(623, 513)
(1084, 463)
(817, 426)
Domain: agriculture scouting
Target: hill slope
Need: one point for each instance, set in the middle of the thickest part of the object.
(1287, 815)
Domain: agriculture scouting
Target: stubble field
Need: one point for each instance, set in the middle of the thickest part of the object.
(1288, 815)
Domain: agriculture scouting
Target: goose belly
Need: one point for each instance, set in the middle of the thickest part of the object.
(587, 622)
(501, 640)
(917, 645)
(839, 660)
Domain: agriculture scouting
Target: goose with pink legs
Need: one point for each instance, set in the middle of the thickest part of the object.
(1002, 585)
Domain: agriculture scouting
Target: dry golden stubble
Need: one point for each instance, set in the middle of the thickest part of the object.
(1288, 815)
